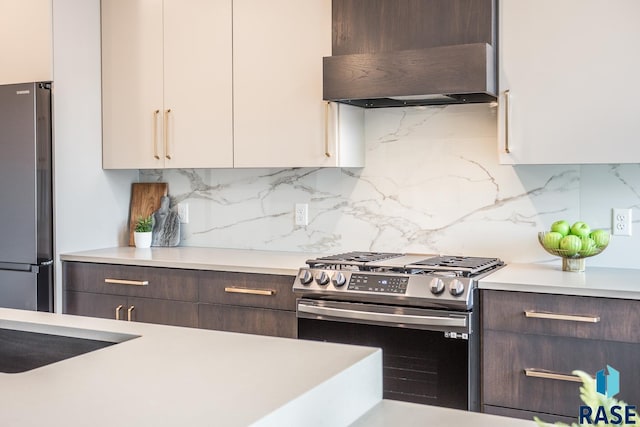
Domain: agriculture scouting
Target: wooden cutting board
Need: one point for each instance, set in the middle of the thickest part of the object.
(145, 199)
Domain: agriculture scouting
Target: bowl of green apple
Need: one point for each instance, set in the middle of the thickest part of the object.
(573, 243)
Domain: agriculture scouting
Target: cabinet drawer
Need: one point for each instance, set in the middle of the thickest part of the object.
(92, 305)
(581, 317)
(146, 282)
(164, 312)
(248, 320)
(506, 356)
(247, 289)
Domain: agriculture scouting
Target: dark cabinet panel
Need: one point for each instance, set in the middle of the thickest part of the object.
(239, 302)
(246, 289)
(163, 283)
(249, 320)
(373, 26)
(508, 355)
(594, 318)
(165, 312)
(531, 343)
(94, 305)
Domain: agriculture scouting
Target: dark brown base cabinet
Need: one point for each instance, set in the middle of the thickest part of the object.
(531, 343)
(239, 302)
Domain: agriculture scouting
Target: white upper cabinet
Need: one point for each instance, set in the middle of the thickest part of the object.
(167, 94)
(569, 85)
(26, 41)
(191, 84)
(280, 119)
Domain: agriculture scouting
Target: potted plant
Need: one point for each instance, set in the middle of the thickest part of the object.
(142, 232)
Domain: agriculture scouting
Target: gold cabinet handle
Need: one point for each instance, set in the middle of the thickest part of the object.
(166, 135)
(541, 373)
(265, 292)
(129, 311)
(507, 125)
(118, 308)
(155, 134)
(127, 282)
(558, 316)
(327, 110)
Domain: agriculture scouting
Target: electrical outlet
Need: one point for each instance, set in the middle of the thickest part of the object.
(301, 214)
(183, 212)
(621, 222)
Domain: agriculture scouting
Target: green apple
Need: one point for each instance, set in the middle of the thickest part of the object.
(551, 240)
(561, 227)
(588, 245)
(580, 229)
(571, 244)
(600, 237)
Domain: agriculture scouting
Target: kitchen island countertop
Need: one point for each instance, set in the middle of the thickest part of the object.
(219, 259)
(603, 282)
(174, 376)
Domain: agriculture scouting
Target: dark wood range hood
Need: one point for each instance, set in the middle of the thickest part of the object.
(388, 53)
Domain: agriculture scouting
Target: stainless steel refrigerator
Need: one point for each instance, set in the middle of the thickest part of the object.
(26, 211)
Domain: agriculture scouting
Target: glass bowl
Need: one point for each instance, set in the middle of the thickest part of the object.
(571, 261)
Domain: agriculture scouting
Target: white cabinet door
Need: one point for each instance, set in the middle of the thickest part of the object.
(570, 70)
(197, 83)
(132, 82)
(166, 75)
(26, 41)
(280, 119)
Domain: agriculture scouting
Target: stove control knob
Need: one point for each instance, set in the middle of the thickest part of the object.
(339, 279)
(436, 285)
(456, 287)
(322, 278)
(305, 277)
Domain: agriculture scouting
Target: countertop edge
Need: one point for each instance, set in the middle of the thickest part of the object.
(198, 258)
(187, 265)
(603, 282)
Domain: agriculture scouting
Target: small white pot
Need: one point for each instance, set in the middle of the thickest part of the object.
(142, 239)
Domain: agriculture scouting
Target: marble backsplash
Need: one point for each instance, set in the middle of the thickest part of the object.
(432, 184)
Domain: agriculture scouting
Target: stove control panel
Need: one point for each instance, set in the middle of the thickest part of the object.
(378, 283)
(368, 286)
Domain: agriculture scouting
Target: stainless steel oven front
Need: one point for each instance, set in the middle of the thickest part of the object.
(430, 356)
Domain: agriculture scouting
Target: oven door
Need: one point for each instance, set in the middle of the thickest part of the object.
(429, 356)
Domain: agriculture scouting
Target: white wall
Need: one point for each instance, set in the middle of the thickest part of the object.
(431, 184)
(91, 205)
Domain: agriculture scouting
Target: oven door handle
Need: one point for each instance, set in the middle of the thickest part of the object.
(390, 318)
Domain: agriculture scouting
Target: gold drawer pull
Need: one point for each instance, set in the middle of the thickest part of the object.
(266, 292)
(556, 316)
(541, 373)
(127, 282)
(129, 311)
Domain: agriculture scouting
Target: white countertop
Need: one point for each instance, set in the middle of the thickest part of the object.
(172, 376)
(549, 278)
(391, 413)
(240, 260)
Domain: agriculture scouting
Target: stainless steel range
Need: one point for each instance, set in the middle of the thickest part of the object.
(418, 308)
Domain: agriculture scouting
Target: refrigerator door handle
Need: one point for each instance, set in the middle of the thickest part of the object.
(27, 268)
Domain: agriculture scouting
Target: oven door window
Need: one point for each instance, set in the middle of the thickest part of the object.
(419, 366)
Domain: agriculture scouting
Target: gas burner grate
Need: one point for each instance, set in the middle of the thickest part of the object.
(357, 257)
(470, 265)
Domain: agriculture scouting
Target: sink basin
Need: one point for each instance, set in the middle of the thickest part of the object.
(25, 346)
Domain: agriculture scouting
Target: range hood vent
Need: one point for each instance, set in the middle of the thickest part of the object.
(389, 53)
